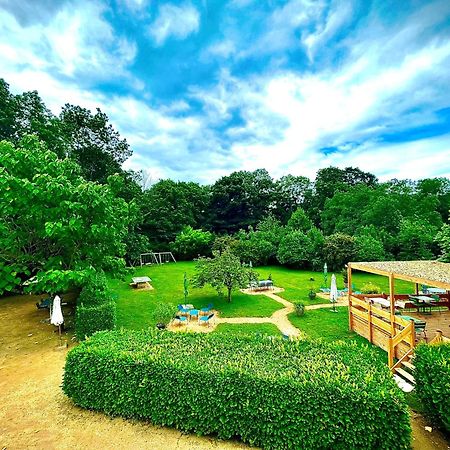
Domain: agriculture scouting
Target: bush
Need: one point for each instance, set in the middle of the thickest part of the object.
(95, 291)
(164, 313)
(370, 288)
(299, 309)
(90, 319)
(275, 393)
(433, 381)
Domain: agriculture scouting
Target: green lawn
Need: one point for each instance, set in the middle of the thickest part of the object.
(134, 306)
(297, 283)
(241, 328)
(330, 326)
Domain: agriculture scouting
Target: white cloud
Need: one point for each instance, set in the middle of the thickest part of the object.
(77, 42)
(174, 21)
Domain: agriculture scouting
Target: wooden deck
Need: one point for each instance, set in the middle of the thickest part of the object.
(435, 321)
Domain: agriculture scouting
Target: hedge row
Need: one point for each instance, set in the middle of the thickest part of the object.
(96, 311)
(89, 320)
(271, 393)
(432, 375)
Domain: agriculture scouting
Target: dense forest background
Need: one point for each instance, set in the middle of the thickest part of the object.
(340, 215)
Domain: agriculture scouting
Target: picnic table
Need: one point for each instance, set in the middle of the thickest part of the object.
(140, 282)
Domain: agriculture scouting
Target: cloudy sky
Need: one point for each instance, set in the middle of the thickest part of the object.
(202, 88)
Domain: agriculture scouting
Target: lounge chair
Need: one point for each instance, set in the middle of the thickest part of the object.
(205, 320)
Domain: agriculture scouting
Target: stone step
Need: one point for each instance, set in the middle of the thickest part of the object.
(406, 375)
(402, 384)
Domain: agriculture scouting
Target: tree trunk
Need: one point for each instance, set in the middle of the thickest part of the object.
(229, 295)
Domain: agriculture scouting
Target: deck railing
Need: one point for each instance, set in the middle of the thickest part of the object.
(391, 333)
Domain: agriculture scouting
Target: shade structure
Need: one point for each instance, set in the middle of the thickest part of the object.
(56, 317)
(333, 291)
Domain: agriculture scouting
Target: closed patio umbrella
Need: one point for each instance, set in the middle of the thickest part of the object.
(56, 317)
(333, 292)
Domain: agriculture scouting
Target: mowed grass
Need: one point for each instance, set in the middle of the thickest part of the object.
(248, 328)
(297, 283)
(135, 306)
(330, 326)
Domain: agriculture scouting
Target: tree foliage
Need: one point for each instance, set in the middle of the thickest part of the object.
(223, 272)
(338, 250)
(191, 243)
(53, 223)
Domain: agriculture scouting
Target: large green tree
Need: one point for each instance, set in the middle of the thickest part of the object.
(240, 200)
(169, 206)
(53, 223)
(93, 142)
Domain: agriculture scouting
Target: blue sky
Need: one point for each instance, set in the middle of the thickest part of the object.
(202, 88)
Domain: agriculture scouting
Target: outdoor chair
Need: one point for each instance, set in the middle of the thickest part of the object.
(205, 320)
(205, 311)
(45, 303)
(420, 328)
(181, 320)
(183, 311)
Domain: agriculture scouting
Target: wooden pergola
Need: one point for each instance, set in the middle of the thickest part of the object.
(385, 329)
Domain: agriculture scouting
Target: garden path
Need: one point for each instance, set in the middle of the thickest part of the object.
(278, 318)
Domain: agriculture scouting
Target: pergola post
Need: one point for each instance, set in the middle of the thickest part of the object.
(392, 300)
(416, 288)
(349, 282)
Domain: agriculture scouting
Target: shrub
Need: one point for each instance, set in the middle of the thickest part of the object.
(299, 309)
(164, 313)
(89, 319)
(95, 291)
(275, 393)
(370, 288)
(433, 381)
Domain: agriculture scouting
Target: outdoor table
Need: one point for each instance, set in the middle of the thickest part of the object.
(141, 281)
(435, 291)
(193, 313)
(422, 301)
(187, 306)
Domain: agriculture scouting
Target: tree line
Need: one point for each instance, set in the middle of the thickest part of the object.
(341, 214)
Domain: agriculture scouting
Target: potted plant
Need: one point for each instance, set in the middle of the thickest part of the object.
(163, 314)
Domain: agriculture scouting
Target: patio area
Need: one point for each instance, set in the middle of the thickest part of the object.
(437, 320)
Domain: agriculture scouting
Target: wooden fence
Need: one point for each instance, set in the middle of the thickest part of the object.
(391, 333)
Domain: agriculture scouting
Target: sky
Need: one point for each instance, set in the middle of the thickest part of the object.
(203, 88)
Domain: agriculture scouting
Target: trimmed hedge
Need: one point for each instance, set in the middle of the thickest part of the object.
(89, 319)
(269, 392)
(433, 381)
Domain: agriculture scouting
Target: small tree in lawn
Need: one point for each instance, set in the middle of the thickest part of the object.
(223, 271)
